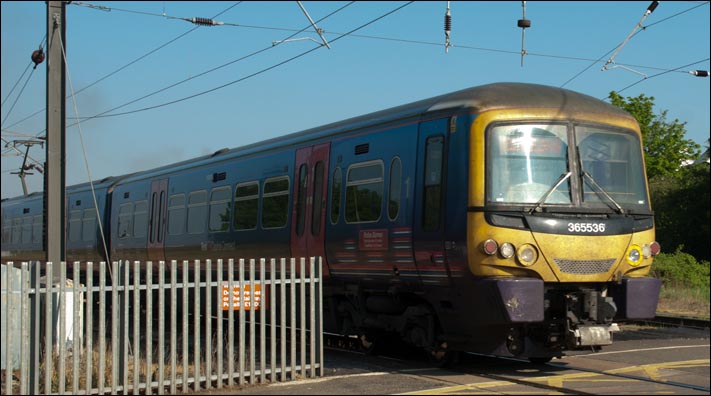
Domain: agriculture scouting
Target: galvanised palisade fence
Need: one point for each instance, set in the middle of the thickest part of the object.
(145, 328)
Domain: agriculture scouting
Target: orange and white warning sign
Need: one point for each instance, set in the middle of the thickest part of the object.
(244, 299)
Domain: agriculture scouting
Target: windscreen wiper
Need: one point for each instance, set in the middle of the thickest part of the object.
(561, 179)
(600, 190)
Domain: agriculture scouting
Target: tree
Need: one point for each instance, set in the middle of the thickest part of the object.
(665, 145)
(682, 214)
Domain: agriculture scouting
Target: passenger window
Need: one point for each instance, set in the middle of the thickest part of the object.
(317, 199)
(394, 188)
(161, 218)
(433, 183)
(364, 192)
(275, 202)
(27, 229)
(197, 212)
(88, 233)
(16, 230)
(7, 230)
(74, 225)
(246, 206)
(336, 195)
(301, 200)
(37, 229)
(176, 214)
(152, 221)
(220, 200)
(140, 219)
(125, 220)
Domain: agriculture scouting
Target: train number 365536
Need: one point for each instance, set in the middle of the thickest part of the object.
(586, 227)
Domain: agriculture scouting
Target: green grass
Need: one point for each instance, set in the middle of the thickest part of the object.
(685, 284)
(684, 301)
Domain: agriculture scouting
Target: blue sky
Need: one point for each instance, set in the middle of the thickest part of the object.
(271, 90)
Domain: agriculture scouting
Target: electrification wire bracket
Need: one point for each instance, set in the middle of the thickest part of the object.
(296, 39)
(523, 23)
(650, 10)
(318, 30)
(447, 29)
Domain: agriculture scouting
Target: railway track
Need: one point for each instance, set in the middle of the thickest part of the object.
(481, 373)
(678, 321)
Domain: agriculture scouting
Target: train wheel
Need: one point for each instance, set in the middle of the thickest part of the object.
(441, 356)
(368, 344)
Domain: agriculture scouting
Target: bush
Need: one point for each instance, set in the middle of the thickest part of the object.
(681, 269)
(682, 213)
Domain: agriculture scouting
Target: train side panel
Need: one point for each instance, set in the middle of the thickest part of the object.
(22, 228)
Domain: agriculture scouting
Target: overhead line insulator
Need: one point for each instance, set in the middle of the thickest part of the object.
(699, 73)
(204, 21)
(38, 56)
(447, 28)
(524, 24)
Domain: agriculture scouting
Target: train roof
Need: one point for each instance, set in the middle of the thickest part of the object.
(474, 100)
(478, 99)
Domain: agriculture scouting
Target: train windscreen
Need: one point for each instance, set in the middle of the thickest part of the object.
(528, 163)
(532, 164)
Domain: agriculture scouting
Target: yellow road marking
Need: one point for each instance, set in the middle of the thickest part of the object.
(651, 370)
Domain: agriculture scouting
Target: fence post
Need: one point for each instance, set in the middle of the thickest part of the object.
(33, 388)
(320, 315)
(312, 319)
(302, 314)
(241, 321)
(123, 331)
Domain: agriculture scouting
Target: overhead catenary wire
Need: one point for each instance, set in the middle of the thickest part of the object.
(116, 71)
(437, 44)
(36, 60)
(16, 83)
(316, 28)
(659, 74)
(637, 32)
(23, 73)
(430, 43)
(10, 132)
(19, 95)
(524, 24)
(101, 115)
(104, 114)
(83, 149)
(648, 12)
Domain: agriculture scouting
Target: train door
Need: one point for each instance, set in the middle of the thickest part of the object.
(428, 219)
(157, 220)
(309, 211)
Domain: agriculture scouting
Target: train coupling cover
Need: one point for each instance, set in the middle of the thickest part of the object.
(593, 335)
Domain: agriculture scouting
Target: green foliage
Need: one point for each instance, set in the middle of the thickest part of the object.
(681, 269)
(681, 207)
(665, 145)
(679, 194)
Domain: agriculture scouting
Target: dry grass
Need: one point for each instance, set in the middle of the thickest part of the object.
(684, 301)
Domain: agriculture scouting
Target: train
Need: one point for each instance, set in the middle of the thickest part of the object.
(508, 219)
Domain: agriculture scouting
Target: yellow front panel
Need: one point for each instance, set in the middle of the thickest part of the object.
(561, 258)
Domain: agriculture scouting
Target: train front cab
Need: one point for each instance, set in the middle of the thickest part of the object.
(560, 232)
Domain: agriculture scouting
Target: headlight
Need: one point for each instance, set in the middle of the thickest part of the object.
(634, 255)
(527, 254)
(507, 250)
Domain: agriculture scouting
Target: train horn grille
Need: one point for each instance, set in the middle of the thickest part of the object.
(584, 266)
